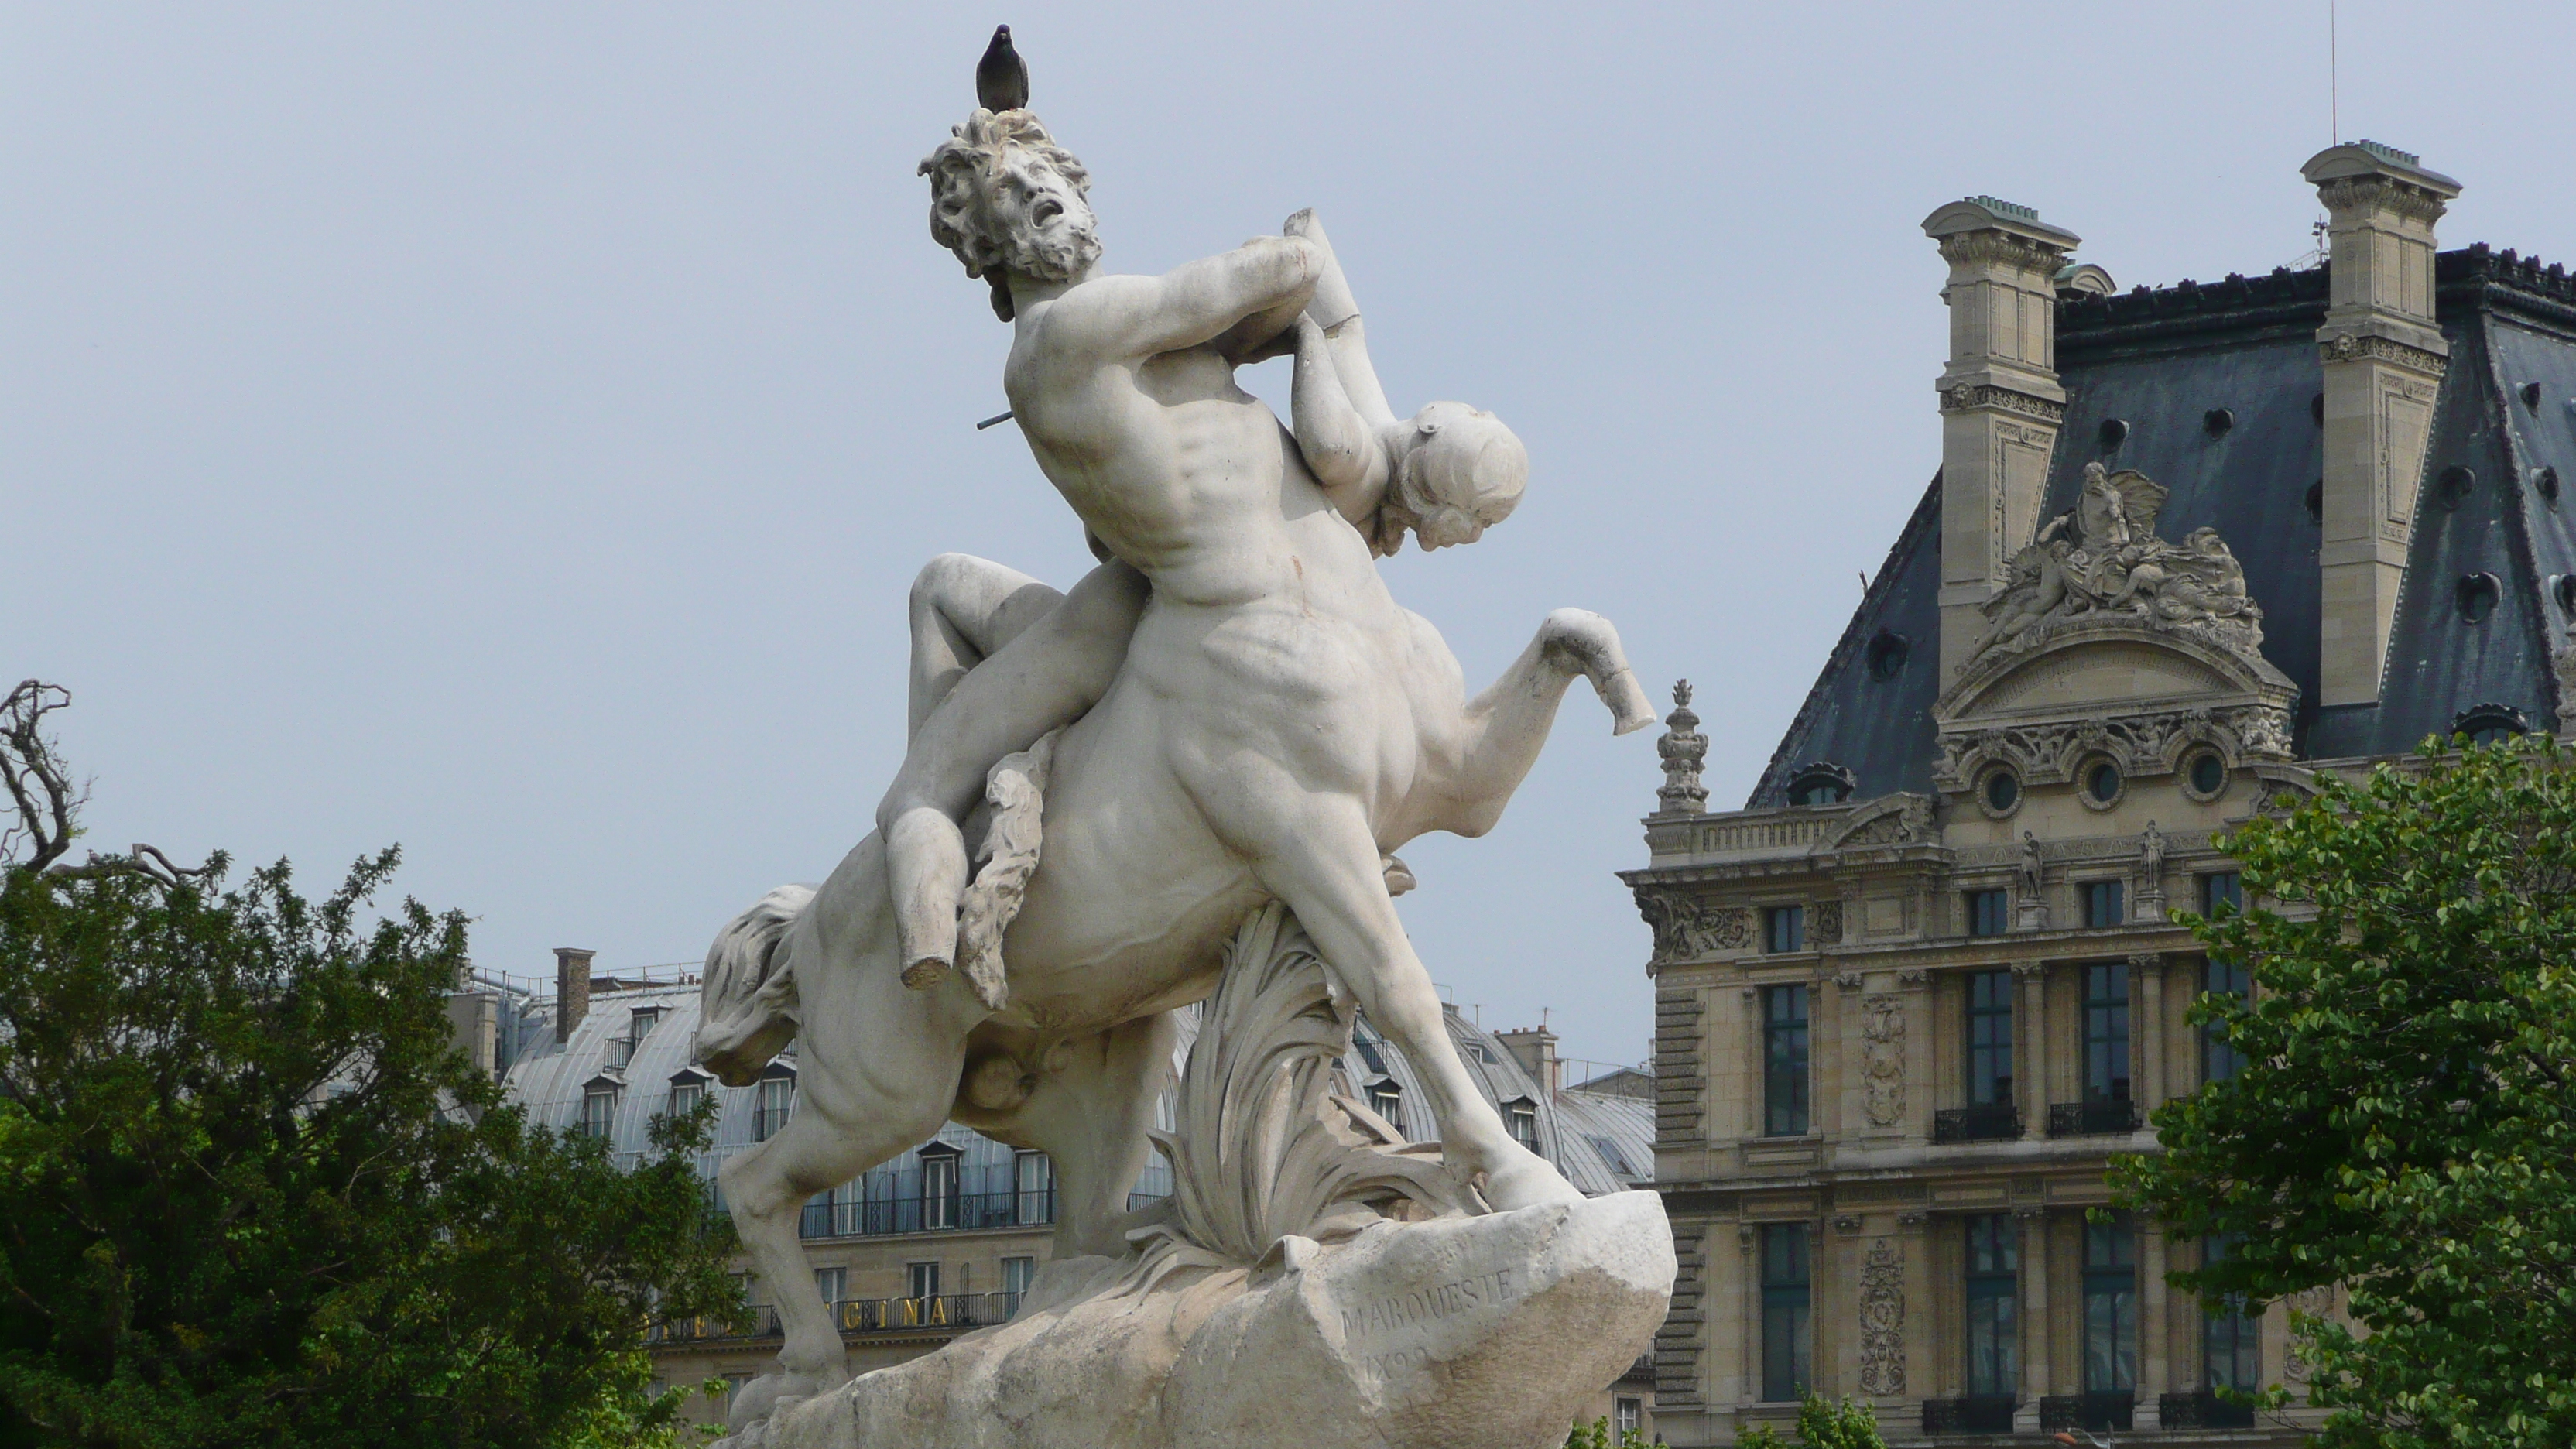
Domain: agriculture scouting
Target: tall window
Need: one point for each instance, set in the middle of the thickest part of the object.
(938, 1191)
(1630, 1416)
(1521, 1117)
(1989, 913)
(832, 1283)
(2110, 1308)
(2231, 1349)
(1387, 1100)
(2221, 888)
(2219, 1058)
(1017, 1275)
(925, 1279)
(2106, 1032)
(1784, 1060)
(1784, 928)
(2103, 903)
(685, 1097)
(771, 1101)
(1990, 1039)
(1033, 1175)
(598, 1112)
(1787, 1367)
(1994, 1296)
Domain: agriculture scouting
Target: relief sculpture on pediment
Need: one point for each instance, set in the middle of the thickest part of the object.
(2103, 556)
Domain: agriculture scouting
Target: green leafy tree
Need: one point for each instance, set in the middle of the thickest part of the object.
(251, 1194)
(2405, 1123)
(1597, 1435)
(1822, 1424)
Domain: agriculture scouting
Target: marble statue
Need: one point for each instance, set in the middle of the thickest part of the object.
(1229, 721)
(2103, 556)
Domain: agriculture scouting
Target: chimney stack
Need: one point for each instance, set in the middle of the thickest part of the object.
(2001, 405)
(2383, 357)
(1534, 1047)
(572, 989)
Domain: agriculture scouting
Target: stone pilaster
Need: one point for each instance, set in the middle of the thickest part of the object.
(2031, 1225)
(2383, 355)
(2155, 1338)
(2030, 1032)
(2001, 404)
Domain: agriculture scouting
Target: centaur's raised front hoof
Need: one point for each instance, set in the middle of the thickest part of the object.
(1631, 708)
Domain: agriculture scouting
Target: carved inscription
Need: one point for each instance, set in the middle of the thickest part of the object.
(1429, 1305)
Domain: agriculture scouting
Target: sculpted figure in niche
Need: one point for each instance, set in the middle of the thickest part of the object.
(1242, 713)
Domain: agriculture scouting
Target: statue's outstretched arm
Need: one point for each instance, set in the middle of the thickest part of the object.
(1341, 449)
(1338, 312)
(1191, 304)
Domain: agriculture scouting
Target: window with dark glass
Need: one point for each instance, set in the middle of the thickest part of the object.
(1990, 1039)
(2221, 888)
(1784, 928)
(772, 1100)
(1787, 1347)
(2106, 1032)
(2219, 1059)
(1387, 1100)
(2103, 902)
(1522, 1118)
(1784, 1060)
(598, 1111)
(1989, 913)
(938, 1191)
(1994, 1295)
(924, 1279)
(2208, 773)
(2110, 1308)
(2231, 1352)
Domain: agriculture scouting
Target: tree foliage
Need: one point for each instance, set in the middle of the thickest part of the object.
(1822, 1424)
(250, 1193)
(2405, 1123)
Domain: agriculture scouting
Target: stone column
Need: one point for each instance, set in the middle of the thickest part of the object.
(2030, 1027)
(1748, 1315)
(2147, 1034)
(2383, 357)
(1920, 1098)
(1921, 1379)
(2001, 404)
(2031, 1223)
(2154, 1339)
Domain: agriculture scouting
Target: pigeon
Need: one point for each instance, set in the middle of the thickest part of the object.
(1001, 77)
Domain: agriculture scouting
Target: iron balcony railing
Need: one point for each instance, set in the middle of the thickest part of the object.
(2203, 1410)
(1975, 1414)
(1977, 1124)
(2111, 1410)
(861, 1315)
(955, 1213)
(2093, 1119)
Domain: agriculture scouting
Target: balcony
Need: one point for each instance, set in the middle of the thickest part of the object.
(2087, 1411)
(1975, 1414)
(1999, 1123)
(860, 1315)
(957, 1213)
(2203, 1410)
(2093, 1119)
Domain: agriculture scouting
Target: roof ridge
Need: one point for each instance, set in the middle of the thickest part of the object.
(1927, 514)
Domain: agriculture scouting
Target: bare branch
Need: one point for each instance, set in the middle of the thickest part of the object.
(39, 787)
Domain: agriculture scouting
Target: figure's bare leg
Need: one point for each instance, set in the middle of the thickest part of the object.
(964, 609)
(1053, 667)
(1508, 724)
(1315, 852)
(1089, 1108)
(767, 1187)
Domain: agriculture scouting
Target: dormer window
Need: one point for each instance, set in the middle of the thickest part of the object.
(773, 1099)
(1821, 783)
(939, 1186)
(599, 1106)
(2485, 724)
(688, 1089)
(1387, 1100)
(1521, 1116)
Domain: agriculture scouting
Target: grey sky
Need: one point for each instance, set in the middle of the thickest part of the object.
(509, 429)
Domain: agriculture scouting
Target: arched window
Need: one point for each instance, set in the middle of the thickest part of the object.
(1821, 783)
(2485, 724)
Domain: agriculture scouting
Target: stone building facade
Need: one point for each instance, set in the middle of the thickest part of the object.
(2187, 548)
(944, 1238)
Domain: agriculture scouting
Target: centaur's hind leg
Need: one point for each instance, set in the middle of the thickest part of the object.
(1465, 790)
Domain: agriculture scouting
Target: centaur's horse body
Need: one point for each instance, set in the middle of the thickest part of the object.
(1172, 809)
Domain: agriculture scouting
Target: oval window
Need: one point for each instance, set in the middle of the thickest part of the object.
(2208, 773)
(2102, 782)
(2003, 791)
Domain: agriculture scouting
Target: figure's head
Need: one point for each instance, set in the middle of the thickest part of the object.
(1458, 472)
(1006, 198)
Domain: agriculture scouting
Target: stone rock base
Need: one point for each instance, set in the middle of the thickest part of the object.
(1487, 1331)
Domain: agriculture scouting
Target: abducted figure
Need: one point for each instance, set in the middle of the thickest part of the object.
(1447, 474)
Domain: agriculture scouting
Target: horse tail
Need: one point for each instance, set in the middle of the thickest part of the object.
(748, 1011)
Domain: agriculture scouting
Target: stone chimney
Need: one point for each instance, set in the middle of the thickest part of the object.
(2000, 402)
(1534, 1047)
(2383, 358)
(572, 989)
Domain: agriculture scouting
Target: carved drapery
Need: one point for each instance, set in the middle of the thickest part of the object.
(1883, 1059)
(1882, 1319)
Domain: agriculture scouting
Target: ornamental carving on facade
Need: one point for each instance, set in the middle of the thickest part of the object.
(2103, 556)
(1683, 748)
(1686, 927)
(1883, 1059)
(1882, 1319)
(1829, 923)
(2138, 742)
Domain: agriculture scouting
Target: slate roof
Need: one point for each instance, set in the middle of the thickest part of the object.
(2161, 361)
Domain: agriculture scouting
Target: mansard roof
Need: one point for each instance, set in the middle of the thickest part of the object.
(2165, 364)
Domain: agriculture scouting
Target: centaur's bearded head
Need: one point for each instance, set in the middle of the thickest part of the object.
(1006, 198)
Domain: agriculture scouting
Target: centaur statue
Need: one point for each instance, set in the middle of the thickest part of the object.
(1231, 709)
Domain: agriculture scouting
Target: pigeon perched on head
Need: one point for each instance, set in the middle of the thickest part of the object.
(1001, 77)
